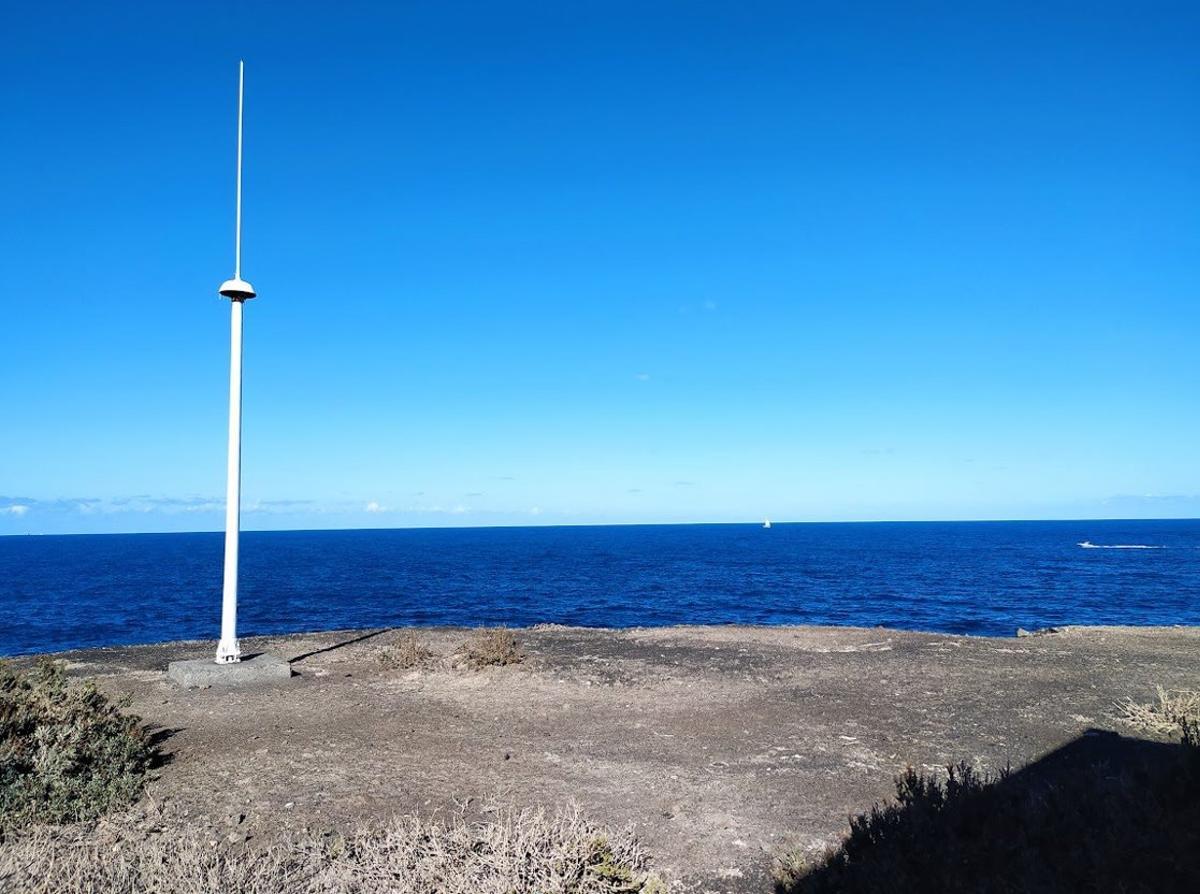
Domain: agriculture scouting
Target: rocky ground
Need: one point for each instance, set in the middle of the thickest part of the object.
(722, 745)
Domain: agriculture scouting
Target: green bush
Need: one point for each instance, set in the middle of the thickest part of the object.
(67, 752)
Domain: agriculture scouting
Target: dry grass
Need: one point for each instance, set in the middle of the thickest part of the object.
(1174, 709)
(520, 852)
(405, 653)
(491, 647)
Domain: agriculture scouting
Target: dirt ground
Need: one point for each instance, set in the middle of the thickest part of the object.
(721, 745)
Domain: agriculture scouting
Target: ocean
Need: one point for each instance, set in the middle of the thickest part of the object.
(987, 578)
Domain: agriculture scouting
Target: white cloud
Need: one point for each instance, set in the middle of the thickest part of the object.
(643, 377)
(17, 509)
(375, 507)
(211, 506)
(280, 507)
(145, 505)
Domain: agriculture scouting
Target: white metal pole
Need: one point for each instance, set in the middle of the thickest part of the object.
(228, 650)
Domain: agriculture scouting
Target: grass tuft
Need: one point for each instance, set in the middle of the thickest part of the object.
(491, 647)
(67, 752)
(405, 653)
(1174, 710)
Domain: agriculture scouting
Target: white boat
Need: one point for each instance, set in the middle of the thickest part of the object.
(766, 523)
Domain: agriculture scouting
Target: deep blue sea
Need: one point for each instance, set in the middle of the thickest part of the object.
(61, 592)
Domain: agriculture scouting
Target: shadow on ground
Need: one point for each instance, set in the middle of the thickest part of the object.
(341, 645)
(1102, 813)
(156, 738)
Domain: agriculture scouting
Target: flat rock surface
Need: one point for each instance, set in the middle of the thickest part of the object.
(722, 745)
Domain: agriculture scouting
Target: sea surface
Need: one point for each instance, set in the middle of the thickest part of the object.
(62, 592)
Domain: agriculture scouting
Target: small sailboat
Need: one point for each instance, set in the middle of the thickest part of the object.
(766, 523)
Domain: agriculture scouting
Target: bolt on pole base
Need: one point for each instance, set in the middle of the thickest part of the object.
(228, 652)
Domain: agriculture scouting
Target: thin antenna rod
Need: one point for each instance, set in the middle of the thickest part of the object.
(237, 255)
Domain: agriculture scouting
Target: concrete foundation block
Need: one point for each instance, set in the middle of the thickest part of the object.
(253, 670)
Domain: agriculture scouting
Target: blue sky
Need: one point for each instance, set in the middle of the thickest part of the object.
(601, 262)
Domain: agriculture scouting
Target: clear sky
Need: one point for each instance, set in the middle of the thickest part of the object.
(601, 262)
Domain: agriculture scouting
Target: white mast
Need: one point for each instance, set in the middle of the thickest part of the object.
(238, 291)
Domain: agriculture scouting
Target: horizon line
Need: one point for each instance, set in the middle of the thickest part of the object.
(756, 524)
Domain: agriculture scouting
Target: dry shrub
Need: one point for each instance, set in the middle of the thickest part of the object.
(519, 852)
(491, 647)
(67, 753)
(405, 653)
(65, 860)
(1175, 709)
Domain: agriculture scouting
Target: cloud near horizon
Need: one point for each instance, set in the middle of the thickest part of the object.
(148, 513)
(145, 504)
(143, 513)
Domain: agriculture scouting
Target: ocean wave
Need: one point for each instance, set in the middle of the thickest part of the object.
(1087, 544)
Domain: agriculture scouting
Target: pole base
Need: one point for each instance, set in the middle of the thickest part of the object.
(253, 670)
(228, 652)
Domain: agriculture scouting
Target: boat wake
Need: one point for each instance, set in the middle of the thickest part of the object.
(1087, 544)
